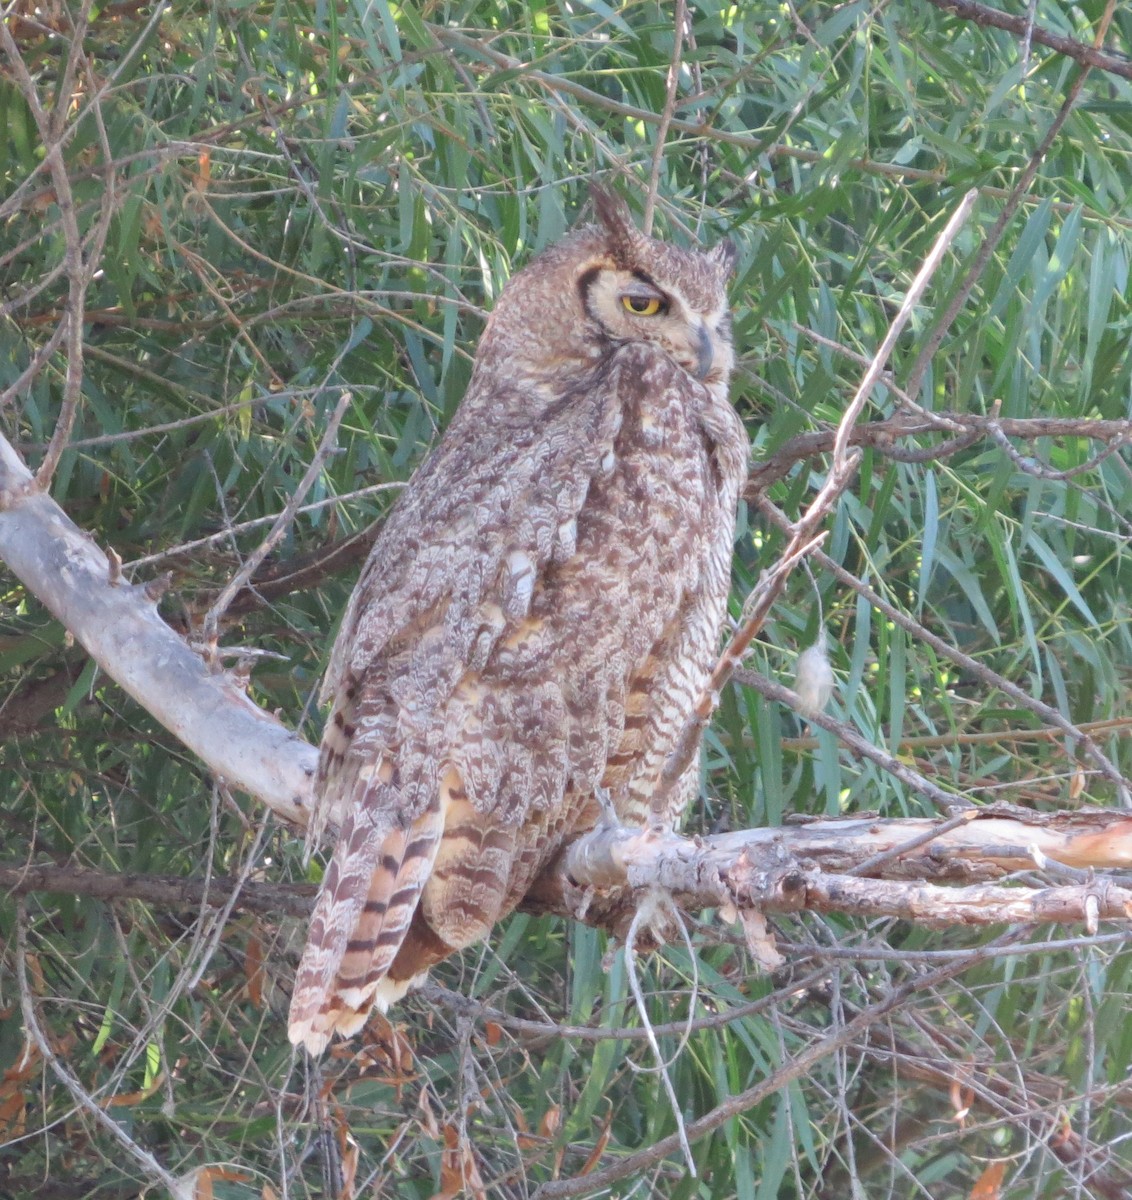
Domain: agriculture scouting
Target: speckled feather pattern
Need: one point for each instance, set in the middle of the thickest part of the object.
(536, 618)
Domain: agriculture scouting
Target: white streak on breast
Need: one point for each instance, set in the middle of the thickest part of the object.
(519, 586)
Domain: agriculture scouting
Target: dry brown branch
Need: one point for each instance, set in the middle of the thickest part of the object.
(883, 436)
(165, 891)
(1083, 53)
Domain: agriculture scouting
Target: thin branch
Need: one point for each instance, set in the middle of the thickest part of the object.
(990, 242)
(800, 1065)
(670, 87)
(166, 891)
(968, 664)
(51, 129)
(1030, 466)
(1091, 56)
(804, 536)
(524, 1027)
(860, 746)
(282, 521)
(882, 435)
(153, 1170)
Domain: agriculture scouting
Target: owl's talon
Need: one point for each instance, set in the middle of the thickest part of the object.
(609, 817)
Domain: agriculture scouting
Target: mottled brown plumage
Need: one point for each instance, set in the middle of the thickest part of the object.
(538, 614)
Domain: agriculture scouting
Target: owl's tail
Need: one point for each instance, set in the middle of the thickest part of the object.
(368, 898)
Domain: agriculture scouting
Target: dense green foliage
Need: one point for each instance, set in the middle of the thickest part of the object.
(301, 198)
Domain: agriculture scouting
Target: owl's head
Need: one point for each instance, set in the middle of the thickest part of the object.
(608, 284)
(642, 289)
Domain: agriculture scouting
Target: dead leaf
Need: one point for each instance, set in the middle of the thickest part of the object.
(428, 1119)
(202, 1178)
(961, 1100)
(760, 941)
(989, 1184)
(204, 170)
(551, 1120)
(459, 1175)
(35, 974)
(347, 1153)
(599, 1145)
(13, 1098)
(129, 1099)
(1076, 783)
(253, 968)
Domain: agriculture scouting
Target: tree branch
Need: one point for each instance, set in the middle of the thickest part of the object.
(119, 627)
(166, 891)
(983, 16)
(970, 427)
(810, 865)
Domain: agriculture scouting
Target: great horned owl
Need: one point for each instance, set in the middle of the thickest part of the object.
(538, 614)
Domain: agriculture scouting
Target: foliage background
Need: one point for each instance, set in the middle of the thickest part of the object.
(301, 198)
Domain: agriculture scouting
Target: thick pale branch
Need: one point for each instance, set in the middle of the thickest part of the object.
(812, 866)
(119, 627)
(807, 866)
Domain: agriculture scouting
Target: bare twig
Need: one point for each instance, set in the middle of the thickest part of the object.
(670, 87)
(943, 799)
(872, 864)
(51, 129)
(654, 903)
(153, 1170)
(994, 236)
(804, 536)
(970, 665)
(882, 435)
(1031, 466)
(165, 891)
(256, 522)
(1091, 56)
(799, 1066)
(282, 522)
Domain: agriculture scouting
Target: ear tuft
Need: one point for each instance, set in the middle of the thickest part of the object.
(613, 214)
(724, 253)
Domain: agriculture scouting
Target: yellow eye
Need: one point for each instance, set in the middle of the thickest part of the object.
(642, 306)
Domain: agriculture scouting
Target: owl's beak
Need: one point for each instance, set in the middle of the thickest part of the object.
(704, 353)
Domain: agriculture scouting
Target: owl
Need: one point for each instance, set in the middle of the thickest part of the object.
(537, 617)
